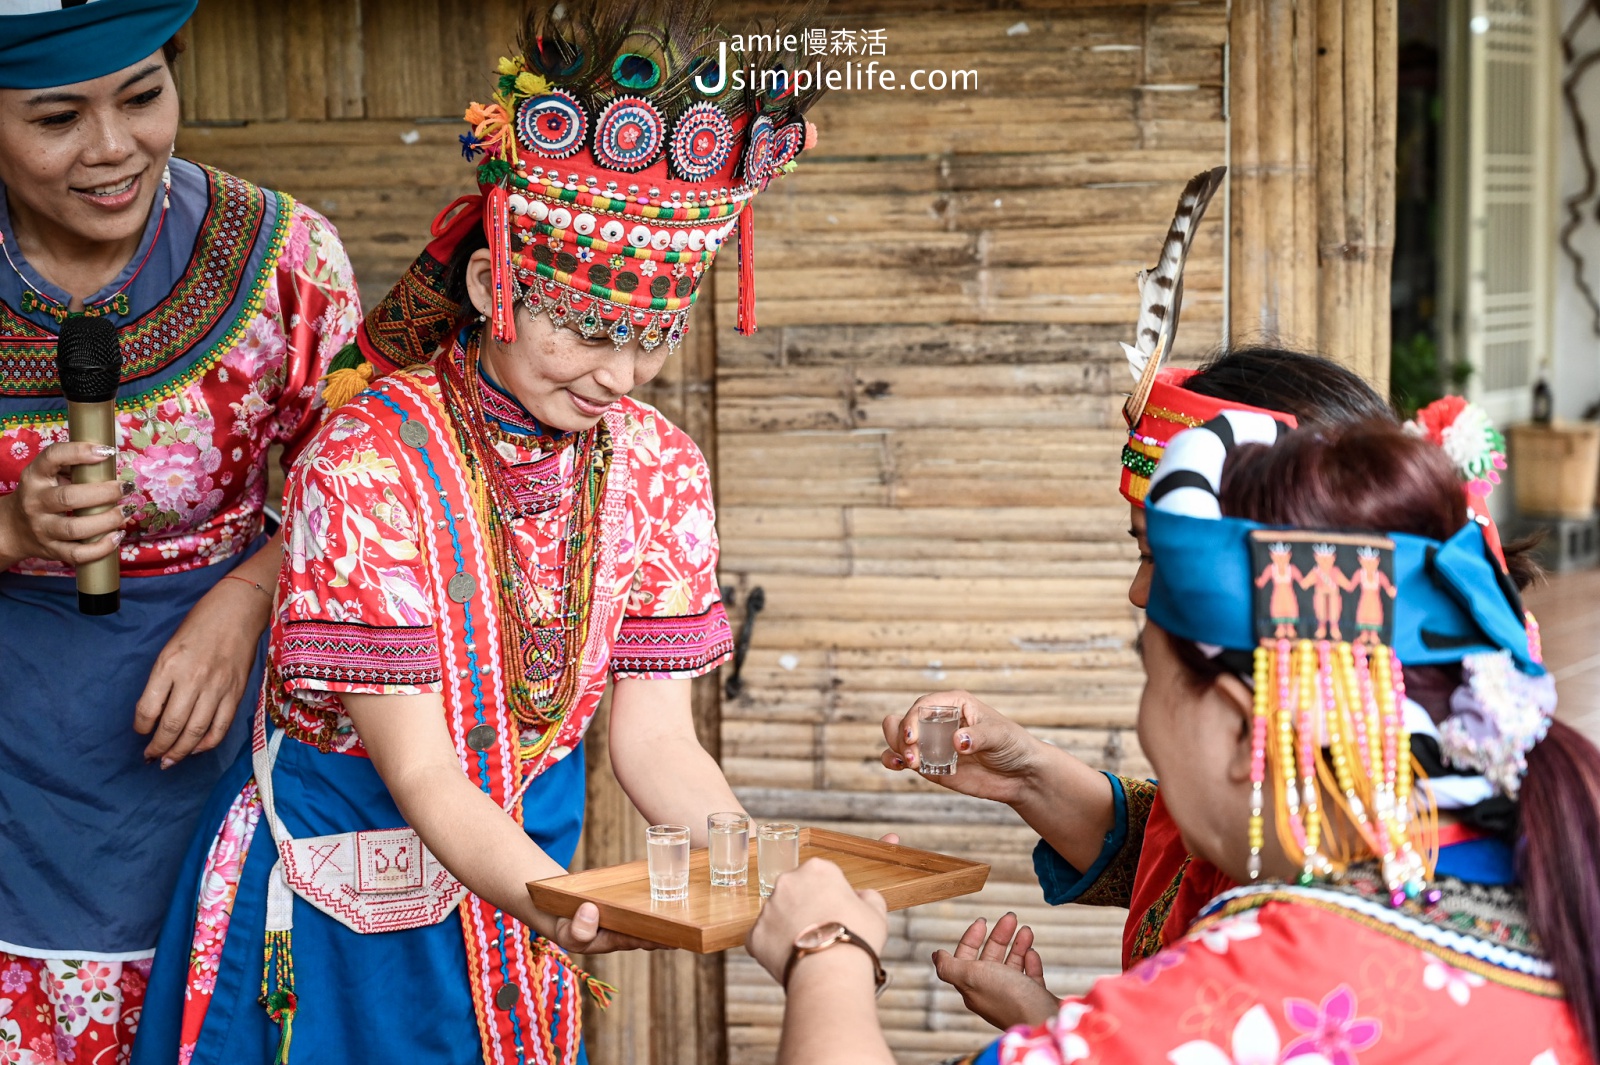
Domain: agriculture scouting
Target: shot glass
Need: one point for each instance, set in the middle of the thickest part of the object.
(729, 836)
(777, 852)
(667, 849)
(936, 739)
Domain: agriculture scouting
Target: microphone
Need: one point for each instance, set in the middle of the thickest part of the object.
(89, 364)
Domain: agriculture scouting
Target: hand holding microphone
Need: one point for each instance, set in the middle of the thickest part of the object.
(65, 506)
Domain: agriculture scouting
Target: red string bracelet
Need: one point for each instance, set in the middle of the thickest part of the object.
(247, 580)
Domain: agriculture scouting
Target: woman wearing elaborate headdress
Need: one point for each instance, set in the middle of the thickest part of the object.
(1107, 838)
(478, 546)
(1370, 924)
(228, 302)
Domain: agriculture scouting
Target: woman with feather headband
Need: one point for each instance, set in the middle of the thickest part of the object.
(1110, 839)
(1371, 922)
(480, 542)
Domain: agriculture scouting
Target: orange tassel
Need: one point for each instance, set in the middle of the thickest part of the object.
(746, 321)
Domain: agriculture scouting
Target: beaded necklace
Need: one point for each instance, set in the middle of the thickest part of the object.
(544, 652)
(33, 301)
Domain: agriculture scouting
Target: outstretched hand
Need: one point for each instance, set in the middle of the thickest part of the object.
(1000, 975)
(996, 754)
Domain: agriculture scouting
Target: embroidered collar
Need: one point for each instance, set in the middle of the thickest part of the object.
(188, 294)
(505, 412)
(32, 278)
(1487, 923)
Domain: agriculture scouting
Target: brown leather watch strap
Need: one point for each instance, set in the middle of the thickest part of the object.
(879, 976)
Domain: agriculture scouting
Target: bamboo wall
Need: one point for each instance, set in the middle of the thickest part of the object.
(916, 456)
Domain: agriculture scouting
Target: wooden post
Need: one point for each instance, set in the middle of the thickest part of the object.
(1312, 113)
(670, 1009)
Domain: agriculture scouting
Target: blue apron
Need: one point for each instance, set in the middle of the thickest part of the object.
(90, 833)
(389, 996)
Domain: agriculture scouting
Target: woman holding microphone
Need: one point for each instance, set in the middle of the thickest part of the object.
(227, 300)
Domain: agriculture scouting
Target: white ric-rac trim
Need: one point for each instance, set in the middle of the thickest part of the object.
(1492, 953)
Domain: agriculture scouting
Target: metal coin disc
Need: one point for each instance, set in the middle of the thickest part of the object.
(506, 998)
(482, 737)
(461, 587)
(413, 433)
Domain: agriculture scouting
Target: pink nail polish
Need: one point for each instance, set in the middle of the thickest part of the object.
(167, 763)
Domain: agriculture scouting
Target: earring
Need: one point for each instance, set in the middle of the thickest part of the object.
(166, 178)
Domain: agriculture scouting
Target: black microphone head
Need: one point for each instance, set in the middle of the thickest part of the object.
(88, 359)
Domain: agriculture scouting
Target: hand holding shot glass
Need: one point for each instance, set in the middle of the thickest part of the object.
(936, 739)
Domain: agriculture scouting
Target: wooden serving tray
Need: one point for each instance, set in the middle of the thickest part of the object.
(716, 918)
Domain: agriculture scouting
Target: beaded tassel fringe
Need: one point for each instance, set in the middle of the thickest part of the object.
(1332, 714)
(277, 990)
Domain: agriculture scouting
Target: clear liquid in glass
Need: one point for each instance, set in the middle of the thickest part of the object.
(777, 852)
(668, 859)
(729, 844)
(936, 739)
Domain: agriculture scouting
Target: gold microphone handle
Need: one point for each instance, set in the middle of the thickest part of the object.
(99, 582)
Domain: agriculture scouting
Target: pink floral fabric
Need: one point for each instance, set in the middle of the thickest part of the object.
(196, 456)
(355, 611)
(219, 883)
(1309, 985)
(81, 1012)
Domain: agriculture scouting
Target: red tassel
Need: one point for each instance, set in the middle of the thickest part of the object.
(746, 322)
(497, 225)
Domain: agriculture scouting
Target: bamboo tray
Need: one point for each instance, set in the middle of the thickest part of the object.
(716, 918)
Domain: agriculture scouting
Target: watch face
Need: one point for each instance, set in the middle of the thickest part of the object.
(820, 936)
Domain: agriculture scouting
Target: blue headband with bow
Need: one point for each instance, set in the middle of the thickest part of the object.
(1449, 602)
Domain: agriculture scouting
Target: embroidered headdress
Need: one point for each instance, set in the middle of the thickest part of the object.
(1160, 406)
(1326, 619)
(45, 43)
(621, 148)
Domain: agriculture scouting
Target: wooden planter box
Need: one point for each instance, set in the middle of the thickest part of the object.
(1557, 468)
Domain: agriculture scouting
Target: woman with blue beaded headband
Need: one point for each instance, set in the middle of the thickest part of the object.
(227, 302)
(480, 543)
(1371, 923)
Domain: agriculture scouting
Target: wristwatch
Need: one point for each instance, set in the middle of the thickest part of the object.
(820, 937)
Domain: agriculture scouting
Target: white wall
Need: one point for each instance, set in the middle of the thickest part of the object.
(1576, 358)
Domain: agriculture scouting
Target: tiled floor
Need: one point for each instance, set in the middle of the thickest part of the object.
(1568, 609)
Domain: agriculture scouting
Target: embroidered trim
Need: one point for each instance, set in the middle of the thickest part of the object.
(1114, 885)
(693, 643)
(414, 319)
(200, 367)
(1165, 415)
(1147, 937)
(1455, 930)
(207, 288)
(359, 654)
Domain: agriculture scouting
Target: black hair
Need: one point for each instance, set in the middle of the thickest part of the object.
(455, 272)
(1316, 390)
